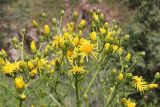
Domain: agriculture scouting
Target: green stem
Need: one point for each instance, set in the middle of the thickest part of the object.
(91, 82)
(112, 96)
(20, 103)
(77, 85)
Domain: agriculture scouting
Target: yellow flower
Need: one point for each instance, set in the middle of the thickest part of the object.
(33, 72)
(109, 36)
(35, 24)
(83, 22)
(152, 86)
(120, 77)
(58, 41)
(78, 41)
(120, 50)
(46, 29)
(41, 63)
(95, 17)
(33, 46)
(77, 69)
(93, 35)
(19, 82)
(2, 61)
(139, 84)
(86, 48)
(107, 46)
(102, 30)
(23, 96)
(128, 57)
(30, 65)
(67, 36)
(3, 53)
(9, 68)
(115, 48)
(70, 26)
(128, 102)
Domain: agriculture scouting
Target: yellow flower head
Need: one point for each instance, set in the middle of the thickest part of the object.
(107, 46)
(70, 26)
(86, 48)
(67, 36)
(9, 68)
(120, 50)
(46, 29)
(109, 36)
(77, 70)
(102, 30)
(93, 35)
(152, 86)
(128, 102)
(95, 17)
(3, 53)
(33, 72)
(19, 82)
(139, 84)
(23, 96)
(115, 48)
(2, 62)
(33, 46)
(35, 24)
(128, 57)
(83, 22)
(41, 62)
(58, 41)
(120, 77)
(30, 65)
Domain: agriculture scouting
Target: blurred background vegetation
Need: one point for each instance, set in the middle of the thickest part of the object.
(139, 18)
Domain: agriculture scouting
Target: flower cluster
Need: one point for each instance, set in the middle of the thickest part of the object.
(77, 51)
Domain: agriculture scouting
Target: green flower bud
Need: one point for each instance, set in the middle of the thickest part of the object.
(22, 64)
(75, 15)
(106, 25)
(62, 13)
(54, 21)
(14, 40)
(114, 72)
(142, 53)
(38, 54)
(157, 75)
(85, 96)
(41, 39)
(26, 58)
(101, 17)
(24, 30)
(126, 37)
(129, 75)
(44, 14)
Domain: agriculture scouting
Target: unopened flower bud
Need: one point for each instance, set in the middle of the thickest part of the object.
(101, 17)
(54, 21)
(14, 40)
(157, 75)
(35, 24)
(106, 25)
(24, 30)
(129, 75)
(126, 37)
(85, 96)
(62, 13)
(23, 96)
(128, 57)
(120, 77)
(114, 72)
(44, 15)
